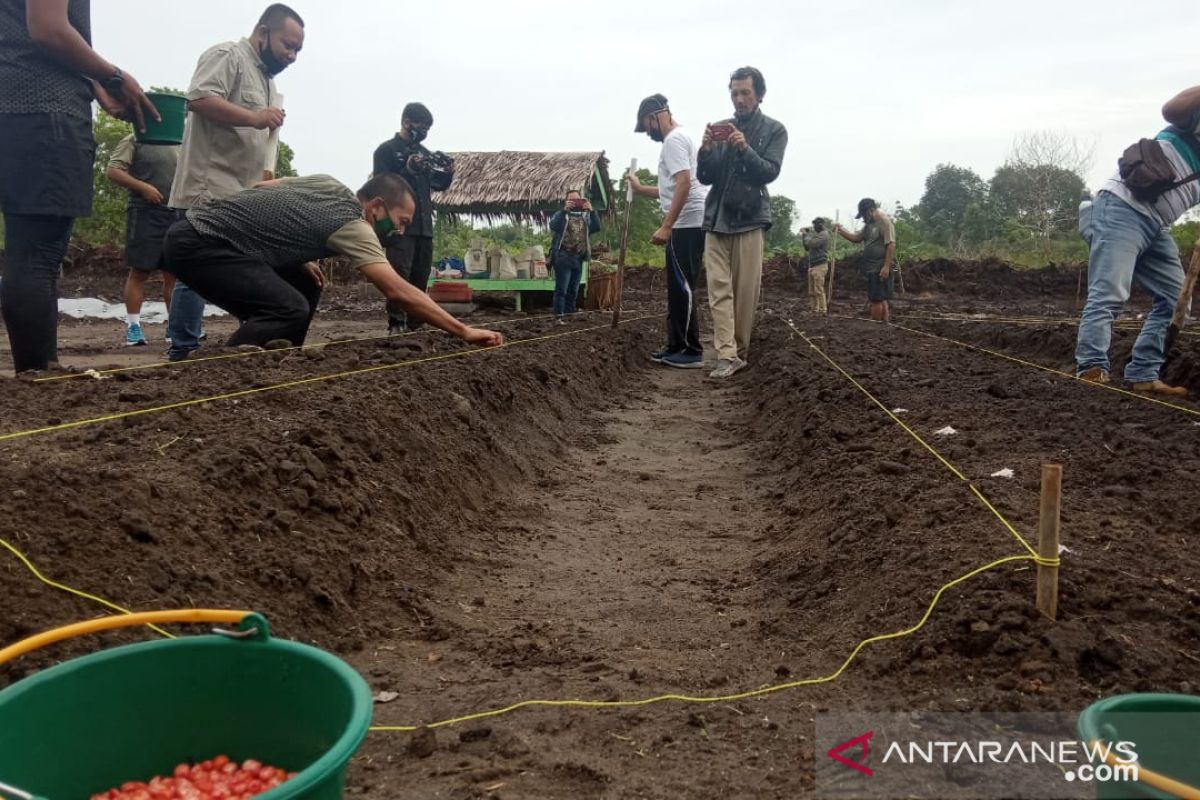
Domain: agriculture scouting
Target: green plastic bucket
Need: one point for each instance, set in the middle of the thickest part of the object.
(173, 110)
(133, 712)
(1165, 730)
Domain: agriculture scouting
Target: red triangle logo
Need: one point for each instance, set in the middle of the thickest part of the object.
(860, 765)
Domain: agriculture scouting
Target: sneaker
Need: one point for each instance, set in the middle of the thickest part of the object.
(562, 321)
(1094, 375)
(726, 367)
(203, 337)
(134, 336)
(683, 360)
(396, 330)
(1158, 387)
(658, 357)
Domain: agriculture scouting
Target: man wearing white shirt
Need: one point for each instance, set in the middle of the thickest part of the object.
(682, 199)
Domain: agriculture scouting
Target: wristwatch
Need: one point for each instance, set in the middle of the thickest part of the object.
(115, 83)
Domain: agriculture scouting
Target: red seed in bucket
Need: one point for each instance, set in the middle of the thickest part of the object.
(215, 779)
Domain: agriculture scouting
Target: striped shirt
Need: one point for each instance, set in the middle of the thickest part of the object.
(1184, 161)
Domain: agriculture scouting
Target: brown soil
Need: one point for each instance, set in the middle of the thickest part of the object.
(561, 519)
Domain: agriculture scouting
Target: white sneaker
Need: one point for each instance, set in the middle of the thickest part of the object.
(726, 367)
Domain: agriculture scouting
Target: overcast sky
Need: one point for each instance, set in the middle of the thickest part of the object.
(874, 95)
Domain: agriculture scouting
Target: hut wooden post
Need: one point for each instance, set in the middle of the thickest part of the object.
(616, 317)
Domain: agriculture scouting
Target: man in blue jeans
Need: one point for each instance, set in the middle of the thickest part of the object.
(572, 230)
(233, 108)
(1130, 240)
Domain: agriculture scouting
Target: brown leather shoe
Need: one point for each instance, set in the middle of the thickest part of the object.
(1095, 375)
(1158, 387)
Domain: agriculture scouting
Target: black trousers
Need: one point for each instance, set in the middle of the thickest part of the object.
(34, 250)
(271, 302)
(412, 258)
(685, 258)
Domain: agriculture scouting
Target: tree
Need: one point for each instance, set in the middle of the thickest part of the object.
(645, 218)
(1039, 185)
(283, 162)
(1043, 199)
(949, 192)
(782, 234)
(1054, 149)
(106, 225)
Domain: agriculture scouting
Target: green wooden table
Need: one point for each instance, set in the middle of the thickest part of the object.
(519, 286)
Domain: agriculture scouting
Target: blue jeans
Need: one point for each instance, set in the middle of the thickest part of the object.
(1126, 246)
(568, 269)
(186, 322)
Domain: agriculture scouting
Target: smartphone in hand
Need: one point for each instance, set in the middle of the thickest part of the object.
(721, 131)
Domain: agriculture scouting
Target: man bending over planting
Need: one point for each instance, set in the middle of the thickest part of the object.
(253, 253)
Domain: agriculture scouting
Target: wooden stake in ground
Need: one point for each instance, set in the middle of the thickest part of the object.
(616, 318)
(1185, 300)
(833, 238)
(1049, 535)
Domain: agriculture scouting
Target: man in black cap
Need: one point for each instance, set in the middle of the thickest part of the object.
(878, 238)
(816, 248)
(681, 197)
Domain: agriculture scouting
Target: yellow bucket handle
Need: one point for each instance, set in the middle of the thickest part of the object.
(185, 615)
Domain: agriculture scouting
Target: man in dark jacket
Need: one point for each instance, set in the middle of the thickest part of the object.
(572, 230)
(411, 254)
(738, 158)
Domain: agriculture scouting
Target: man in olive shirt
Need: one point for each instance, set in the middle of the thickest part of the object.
(146, 170)
(234, 107)
(252, 253)
(878, 238)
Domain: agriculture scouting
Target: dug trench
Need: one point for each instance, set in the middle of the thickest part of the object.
(561, 520)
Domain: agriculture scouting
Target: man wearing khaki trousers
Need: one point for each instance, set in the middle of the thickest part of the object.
(738, 158)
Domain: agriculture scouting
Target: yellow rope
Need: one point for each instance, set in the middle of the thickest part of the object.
(953, 469)
(70, 590)
(1126, 325)
(62, 426)
(203, 359)
(600, 704)
(1060, 373)
(728, 698)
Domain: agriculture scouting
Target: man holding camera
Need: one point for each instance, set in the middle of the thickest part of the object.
(411, 254)
(571, 245)
(816, 249)
(738, 158)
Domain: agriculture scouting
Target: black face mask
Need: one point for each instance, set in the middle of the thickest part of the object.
(417, 134)
(272, 64)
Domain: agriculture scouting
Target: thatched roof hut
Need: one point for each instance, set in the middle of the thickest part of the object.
(522, 186)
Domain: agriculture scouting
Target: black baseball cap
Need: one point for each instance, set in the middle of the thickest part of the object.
(865, 207)
(652, 104)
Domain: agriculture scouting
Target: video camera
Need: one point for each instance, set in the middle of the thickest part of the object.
(436, 162)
